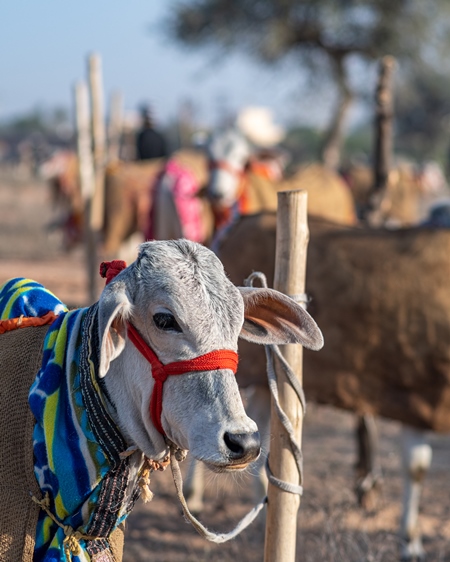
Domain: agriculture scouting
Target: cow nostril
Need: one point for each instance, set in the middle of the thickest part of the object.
(243, 444)
(233, 442)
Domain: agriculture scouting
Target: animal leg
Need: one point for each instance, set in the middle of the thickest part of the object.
(194, 486)
(416, 457)
(368, 471)
(258, 409)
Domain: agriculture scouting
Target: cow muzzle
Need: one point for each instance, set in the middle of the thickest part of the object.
(241, 450)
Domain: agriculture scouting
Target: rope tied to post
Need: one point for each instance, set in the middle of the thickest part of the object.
(272, 352)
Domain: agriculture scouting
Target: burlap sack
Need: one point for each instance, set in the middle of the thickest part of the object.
(20, 359)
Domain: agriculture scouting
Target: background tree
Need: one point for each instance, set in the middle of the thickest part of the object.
(36, 132)
(323, 37)
(422, 115)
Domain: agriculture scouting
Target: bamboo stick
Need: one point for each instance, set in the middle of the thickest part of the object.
(98, 138)
(87, 180)
(290, 269)
(115, 126)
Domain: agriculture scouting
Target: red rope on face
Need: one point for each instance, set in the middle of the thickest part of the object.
(215, 360)
(212, 361)
(110, 269)
(224, 165)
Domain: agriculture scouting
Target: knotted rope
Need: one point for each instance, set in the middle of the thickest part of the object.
(72, 537)
(71, 543)
(144, 480)
(273, 351)
(109, 269)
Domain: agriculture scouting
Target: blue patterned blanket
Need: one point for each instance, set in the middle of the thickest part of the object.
(76, 444)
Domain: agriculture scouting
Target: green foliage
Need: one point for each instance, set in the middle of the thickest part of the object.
(422, 114)
(303, 144)
(324, 37)
(359, 143)
(272, 29)
(47, 122)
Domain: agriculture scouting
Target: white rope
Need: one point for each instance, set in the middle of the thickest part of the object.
(273, 351)
(199, 527)
(301, 298)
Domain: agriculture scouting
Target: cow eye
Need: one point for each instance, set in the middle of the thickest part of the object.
(166, 321)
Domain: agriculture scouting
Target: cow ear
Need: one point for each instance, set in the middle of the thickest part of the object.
(270, 317)
(114, 309)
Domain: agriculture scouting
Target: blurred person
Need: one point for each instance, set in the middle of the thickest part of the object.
(150, 143)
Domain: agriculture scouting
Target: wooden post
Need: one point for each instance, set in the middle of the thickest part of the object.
(115, 126)
(99, 138)
(383, 124)
(87, 180)
(290, 269)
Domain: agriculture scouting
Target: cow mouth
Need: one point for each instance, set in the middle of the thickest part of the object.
(228, 467)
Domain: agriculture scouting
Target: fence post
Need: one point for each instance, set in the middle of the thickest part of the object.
(86, 175)
(115, 126)
(98, 138)
(383, 123)
(290, 268)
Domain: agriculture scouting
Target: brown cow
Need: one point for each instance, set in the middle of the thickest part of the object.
(328, 194)
(128, 190)
(381, 299)
(406, 200)
(127, 197)
(378, 279)
(131, 191)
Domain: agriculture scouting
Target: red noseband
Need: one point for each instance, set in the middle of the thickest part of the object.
(213, 361)
(224, 165)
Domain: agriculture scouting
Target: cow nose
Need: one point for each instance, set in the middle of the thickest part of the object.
(243, 445)
(216, 198)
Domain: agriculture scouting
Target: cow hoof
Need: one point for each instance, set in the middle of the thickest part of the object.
(413, 551)
(368, 492)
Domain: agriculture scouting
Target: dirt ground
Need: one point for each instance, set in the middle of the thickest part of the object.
(331, 527)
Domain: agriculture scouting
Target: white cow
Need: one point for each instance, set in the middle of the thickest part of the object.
(172, 312)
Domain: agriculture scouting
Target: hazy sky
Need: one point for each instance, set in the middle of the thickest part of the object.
(44, 46)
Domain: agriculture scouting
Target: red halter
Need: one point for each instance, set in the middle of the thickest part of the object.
(213, 361)
(224, 165)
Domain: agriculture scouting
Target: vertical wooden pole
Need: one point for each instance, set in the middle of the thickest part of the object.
(384, 114)
(99, 138)
(115, 126)
(290, 270)
(87, 180)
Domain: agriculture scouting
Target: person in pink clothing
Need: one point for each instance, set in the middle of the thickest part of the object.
(178, 210)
